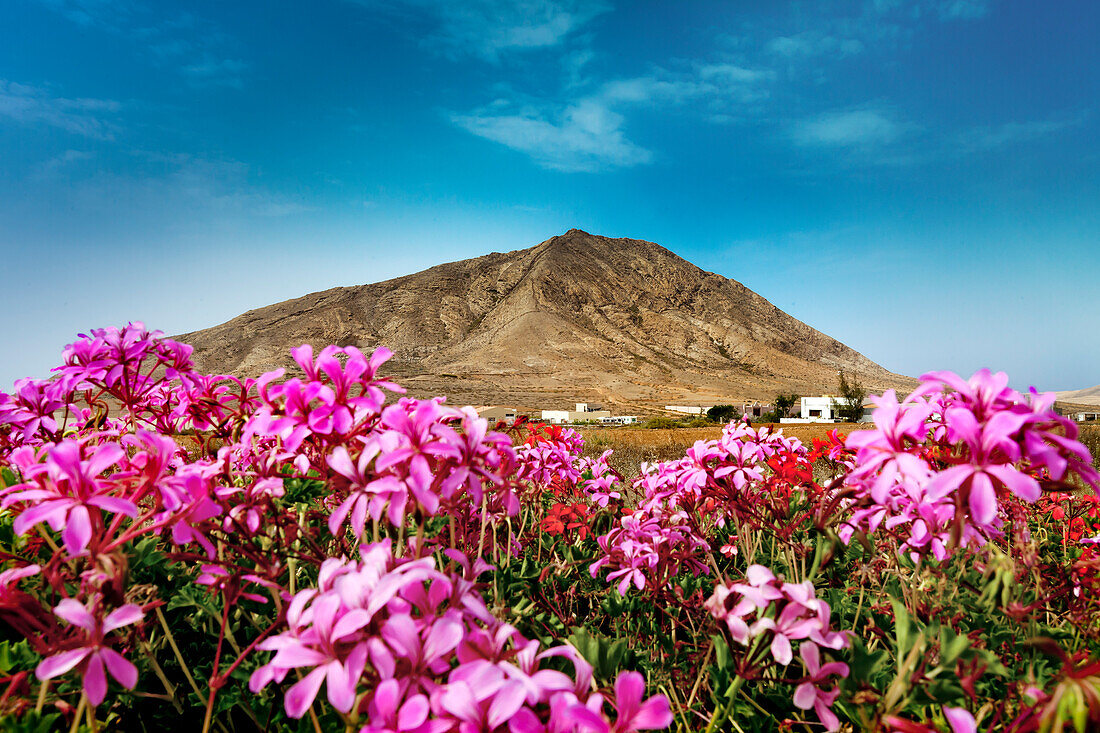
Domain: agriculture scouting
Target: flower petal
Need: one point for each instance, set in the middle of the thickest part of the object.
(61, 663)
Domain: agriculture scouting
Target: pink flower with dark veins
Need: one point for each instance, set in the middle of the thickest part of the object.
(811, 693)
(95, 658)
(64, 489)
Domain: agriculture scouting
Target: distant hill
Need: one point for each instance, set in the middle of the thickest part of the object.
(579, 317)
(1087, 396)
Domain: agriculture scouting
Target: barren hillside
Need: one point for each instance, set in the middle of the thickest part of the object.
(578, 317)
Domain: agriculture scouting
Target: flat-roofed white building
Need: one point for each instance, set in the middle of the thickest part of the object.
(819, 409)
(496, 413)
(688, 409)
(557, 417)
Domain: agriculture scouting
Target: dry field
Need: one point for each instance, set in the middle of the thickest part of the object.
(634, 445)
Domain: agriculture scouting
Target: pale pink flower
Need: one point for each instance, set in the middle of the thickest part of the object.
(94, 657)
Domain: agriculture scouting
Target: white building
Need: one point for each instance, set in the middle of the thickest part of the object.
(819, 409)
(583, 413)
(587, 413)
(1086, 416)
(497, 413)
(688, 409)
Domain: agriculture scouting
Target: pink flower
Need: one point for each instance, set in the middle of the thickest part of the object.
(633, 712)
(63, 491)
(482, 701)
(93, 654)
(390, 711)
(810, 693)
(960, 720)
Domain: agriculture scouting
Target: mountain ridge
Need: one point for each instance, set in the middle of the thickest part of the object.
(578, 317)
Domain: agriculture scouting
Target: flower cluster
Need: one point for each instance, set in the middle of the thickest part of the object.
(415, 649)
(598, 481)
(762, 607)
(939, 465)
(746, 474)
(649, 548)
(424, 458)
(567, 519)
(161, 528)
(550, 458)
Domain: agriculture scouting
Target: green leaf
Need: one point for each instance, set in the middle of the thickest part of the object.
(901, 626)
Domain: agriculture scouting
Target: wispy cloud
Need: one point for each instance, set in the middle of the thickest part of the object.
(867, 127)
(488, 28)
(942, 9)
(963, 9)
(586, 136)
(1011, 133)
(834, 32)
(814, 43)
(34, 105)
(145, 182)
(586, 133)
(213, 72)
(196, 48)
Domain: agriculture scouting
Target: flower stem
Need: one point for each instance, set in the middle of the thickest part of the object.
(79, 712)
(176, 650)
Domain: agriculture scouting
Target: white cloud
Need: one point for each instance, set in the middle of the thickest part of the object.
(814, 43)
(1011, 133)
(586, 133)
(586, 136)
(488, 28)
(34, 105)
(196, 48)
(867, 127)
(963, 9)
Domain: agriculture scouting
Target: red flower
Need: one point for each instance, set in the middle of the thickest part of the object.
(567, 519)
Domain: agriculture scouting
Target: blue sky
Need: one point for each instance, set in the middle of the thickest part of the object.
(917, 178)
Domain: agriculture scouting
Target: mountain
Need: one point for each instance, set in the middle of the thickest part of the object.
(1087, 396)
(579, 317)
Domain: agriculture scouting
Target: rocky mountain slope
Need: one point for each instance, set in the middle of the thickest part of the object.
(579, 317)
(1087, 396)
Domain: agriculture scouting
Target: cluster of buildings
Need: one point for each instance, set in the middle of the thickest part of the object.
(823, 409)
(752, 409)
(585, 413)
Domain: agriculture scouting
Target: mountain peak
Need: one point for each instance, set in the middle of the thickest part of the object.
(578, 317)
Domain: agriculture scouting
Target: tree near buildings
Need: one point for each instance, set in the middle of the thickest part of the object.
(723, 413)
(784, 403)
(849, 406)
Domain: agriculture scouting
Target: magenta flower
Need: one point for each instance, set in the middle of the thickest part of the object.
(810, 693)
(390, 711)
(960, 720)
(93, 655)
(482, 701)
(64, 489)
(12, 576)
(634, 713)
(416, 651)
(319, 646)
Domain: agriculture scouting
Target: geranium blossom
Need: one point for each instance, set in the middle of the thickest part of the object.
(94, 658)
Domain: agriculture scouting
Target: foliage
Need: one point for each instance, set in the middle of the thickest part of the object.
(784, 403)
(661, 422)
(852, 394)
(722, 413)
(190, 551)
